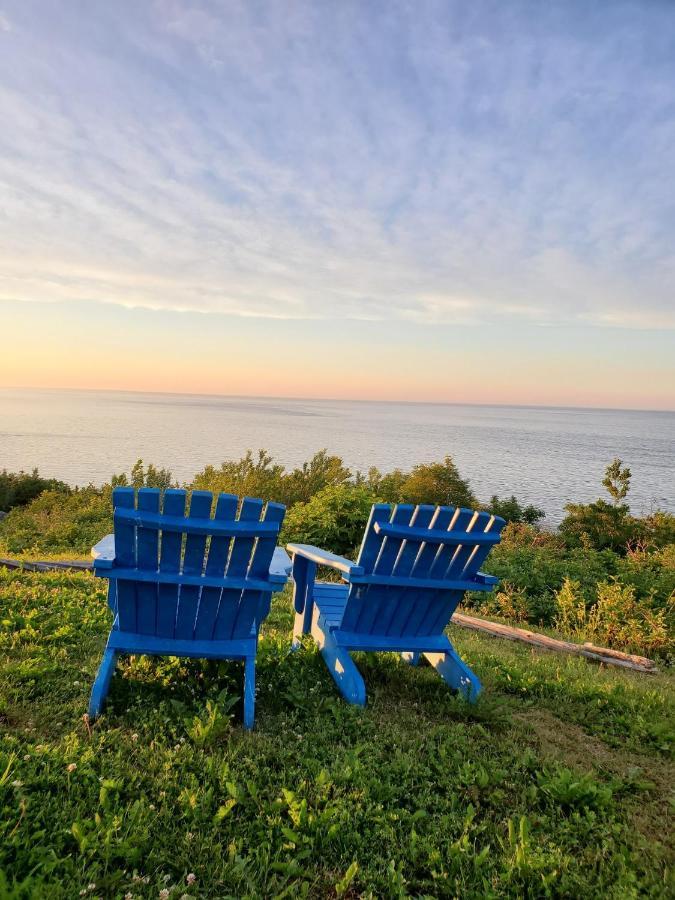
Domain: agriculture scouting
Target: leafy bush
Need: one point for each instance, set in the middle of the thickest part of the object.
(71, 522)
(616, 619)
(434, 483)
(57, 523)
(334, 518)
(262, 477)
(19, 488)
(600, 526)
(510, 509)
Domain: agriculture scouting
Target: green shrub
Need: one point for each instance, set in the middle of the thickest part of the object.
(334, 519)
(261, 477)
(434, 483)
(19, 488)
(58, 523)
(510, 509)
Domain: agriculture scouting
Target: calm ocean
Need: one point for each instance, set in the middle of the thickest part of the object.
(546, 456)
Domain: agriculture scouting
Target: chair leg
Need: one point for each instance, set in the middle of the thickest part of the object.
(455, 672)
(413, 659)
(102, 683)
(249, 692)
(302, 625)
(340, 665)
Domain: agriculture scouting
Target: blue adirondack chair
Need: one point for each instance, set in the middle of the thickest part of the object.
(186, 584)
(414, 566)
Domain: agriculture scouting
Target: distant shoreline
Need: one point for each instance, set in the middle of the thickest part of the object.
(370, 401)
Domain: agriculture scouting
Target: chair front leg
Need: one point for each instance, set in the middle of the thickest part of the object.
(304, 576)
(455, 672)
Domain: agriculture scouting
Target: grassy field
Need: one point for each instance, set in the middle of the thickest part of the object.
(558, 783)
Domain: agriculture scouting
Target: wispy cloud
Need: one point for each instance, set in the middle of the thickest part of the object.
(431, 162)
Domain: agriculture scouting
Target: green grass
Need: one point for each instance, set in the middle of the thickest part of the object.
(557, 783)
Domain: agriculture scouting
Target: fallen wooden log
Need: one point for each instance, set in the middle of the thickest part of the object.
(82, 565)
(590, 651)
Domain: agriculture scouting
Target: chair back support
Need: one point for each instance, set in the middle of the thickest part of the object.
(418, 561)
(187, 574)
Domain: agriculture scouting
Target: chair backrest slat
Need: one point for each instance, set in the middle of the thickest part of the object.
(147, 543)
(169, 563)
(125, 553)
(226, 511)
(193, 564)
(237, 567)
(443, 546)
(254, 605)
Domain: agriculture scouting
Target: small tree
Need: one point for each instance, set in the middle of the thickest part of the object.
(617, 481)
(437, 483)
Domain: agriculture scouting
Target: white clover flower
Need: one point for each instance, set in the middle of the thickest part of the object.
(91, 887)
(134, 737)
(71, 768)
(164, 894)
(152, 806)
(26, 757)
(191, 878)
(17, 783)
(128, 896)
(166, 878)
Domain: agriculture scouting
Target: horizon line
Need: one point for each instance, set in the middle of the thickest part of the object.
(336, 399)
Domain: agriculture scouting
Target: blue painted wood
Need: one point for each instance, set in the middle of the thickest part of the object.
(226, 510)
(426, 611)
(324, 558)
(101, 685)
(255, 605)
(413, 604)
(169, 585)
(445, 584)
(432, 536)
(240, 584)
(341, 666)
(193, 564)
(125, 549)
(249, 690)
(415, 565)
(169, 565)
(239, 565)
(368, 554)
(304, 574)
(404, 565)
(147, 546)
(194, 525)
(123, 642)
(375, 600)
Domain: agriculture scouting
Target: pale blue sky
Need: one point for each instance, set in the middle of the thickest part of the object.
(482, 187)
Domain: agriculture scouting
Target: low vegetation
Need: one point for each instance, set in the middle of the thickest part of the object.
(604, 576)
(557, 783)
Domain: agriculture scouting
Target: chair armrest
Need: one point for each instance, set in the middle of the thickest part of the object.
(482, 578)
(280, 567)
(104, 553)
(324, 558)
